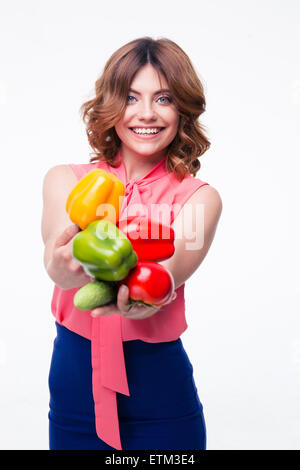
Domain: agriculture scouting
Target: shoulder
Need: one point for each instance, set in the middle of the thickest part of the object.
(71, 171)
(207, 199)
(207, 194)
(59, 170)
(59, 177)
(210, 198)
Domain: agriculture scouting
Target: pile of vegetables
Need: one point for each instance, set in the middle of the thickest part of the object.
(114, 251)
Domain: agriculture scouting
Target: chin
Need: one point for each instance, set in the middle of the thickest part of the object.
(147, 150)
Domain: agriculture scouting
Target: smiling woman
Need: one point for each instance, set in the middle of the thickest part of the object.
(120, 377)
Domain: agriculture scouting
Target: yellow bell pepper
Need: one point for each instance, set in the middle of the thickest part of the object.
(96, 188)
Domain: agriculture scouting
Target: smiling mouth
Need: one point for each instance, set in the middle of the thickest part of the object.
(146, 134)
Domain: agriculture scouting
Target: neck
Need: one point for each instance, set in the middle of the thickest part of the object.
(138, 165)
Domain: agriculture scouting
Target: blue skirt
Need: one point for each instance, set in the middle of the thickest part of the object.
(162, 412)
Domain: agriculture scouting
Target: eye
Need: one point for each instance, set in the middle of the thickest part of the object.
(166, 97)
(129, 96)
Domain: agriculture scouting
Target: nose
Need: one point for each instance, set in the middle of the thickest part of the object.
(146, 110)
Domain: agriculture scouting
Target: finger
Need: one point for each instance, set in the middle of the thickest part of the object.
(174, 295)
(140, 313)
(123, 299)
(67, 235)
(108, 309)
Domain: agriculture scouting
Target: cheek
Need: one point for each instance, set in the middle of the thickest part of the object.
(123, 125)
(120, 128)
(173, 119)
(176, 120)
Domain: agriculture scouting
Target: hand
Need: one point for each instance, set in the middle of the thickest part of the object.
(63, 269)
(123, 307)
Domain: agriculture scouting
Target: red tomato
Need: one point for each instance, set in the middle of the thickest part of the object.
(150, 282)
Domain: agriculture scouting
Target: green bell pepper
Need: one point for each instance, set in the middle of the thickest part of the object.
(104, 251)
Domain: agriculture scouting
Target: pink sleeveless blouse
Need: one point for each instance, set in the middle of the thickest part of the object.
(158, 189)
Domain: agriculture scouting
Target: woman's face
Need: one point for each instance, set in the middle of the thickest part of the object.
(148, 108)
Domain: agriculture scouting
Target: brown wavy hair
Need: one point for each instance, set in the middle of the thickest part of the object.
(105, 110)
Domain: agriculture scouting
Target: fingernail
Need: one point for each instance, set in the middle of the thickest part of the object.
(123, 289)
(95, 315)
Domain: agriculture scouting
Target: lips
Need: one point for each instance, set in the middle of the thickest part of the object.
(157, 127)
(146, 135)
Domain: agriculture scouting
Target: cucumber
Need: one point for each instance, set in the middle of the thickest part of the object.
(95, 294)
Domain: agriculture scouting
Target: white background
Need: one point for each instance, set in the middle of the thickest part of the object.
(242, 304)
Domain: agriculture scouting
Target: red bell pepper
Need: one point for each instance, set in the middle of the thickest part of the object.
(149, 283)
(151, 240)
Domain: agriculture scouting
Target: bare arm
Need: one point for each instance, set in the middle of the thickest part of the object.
(193, 233)
(58, 230)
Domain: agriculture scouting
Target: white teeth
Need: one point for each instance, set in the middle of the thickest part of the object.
(146, 131)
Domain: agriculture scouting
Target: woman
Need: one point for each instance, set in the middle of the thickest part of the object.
(120, 378)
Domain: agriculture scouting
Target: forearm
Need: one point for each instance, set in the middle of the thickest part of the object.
(189, 253)
(48, 252)
(184, 262)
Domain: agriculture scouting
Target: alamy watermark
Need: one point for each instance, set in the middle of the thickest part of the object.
(189, 222)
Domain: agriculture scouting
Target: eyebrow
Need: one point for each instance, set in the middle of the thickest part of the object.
(155, 93)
